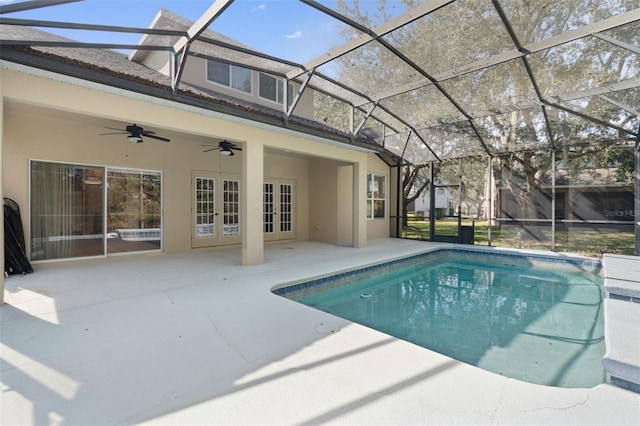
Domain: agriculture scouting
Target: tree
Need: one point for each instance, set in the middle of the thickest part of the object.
(415, 179)
(472, 179)
(503, 98)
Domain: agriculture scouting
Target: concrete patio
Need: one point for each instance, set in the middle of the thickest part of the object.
(196, 338)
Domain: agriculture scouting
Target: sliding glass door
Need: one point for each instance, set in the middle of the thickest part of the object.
(134, 209)
(67, 208)
(71, 215)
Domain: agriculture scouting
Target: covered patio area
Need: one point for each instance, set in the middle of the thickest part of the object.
(196, 338)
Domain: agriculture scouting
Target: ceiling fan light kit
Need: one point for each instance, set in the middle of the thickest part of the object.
(226, 148)
(135, 134)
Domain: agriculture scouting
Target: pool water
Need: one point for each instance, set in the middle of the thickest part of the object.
(522, 320)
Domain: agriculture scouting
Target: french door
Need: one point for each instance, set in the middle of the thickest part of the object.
(278, 210)
(216, 210)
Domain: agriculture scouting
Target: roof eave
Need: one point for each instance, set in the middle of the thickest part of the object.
(52, 63)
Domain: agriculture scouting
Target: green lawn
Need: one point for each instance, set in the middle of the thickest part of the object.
(585, 242)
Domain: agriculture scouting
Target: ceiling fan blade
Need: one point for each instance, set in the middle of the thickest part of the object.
(237, 148)
(212, 149)
(113, 128)
(153, 136)
(114, 133)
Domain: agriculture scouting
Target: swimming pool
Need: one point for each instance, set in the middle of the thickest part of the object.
(528, 317)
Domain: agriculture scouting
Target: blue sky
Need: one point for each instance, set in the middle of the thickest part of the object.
(284, 28)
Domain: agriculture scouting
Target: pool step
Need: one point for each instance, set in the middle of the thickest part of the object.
(622, 277)
(622, 316)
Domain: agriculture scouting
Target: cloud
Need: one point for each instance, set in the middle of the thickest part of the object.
(297, 34)
(260, 8)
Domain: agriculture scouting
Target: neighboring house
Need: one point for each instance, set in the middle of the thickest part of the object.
(421, 204)
(594, 198)
(86, 190)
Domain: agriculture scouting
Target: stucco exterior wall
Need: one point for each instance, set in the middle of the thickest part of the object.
(195, 72)
(293, 170)
(323, 204)
(61, 121)
(379, 228)
(345, 205)
(157, 60)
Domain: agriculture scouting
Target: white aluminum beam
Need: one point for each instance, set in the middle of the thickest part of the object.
(426, 8)
(181, 47)
(631, 47)
(566, 37)
(294, 103)
(587, 30)
(619, 105)
(389, 26)
(600, 90)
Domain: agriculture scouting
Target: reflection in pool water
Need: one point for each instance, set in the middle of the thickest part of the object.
(522, 320)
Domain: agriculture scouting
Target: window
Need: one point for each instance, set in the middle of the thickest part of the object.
(267, 203)
(375, 196)
(134, 210)
(233, 76)
(286, 207)
(205, 207)
(271, 89)
(67, 211)
(231, 207)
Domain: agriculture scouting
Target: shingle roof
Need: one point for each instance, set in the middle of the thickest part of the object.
(115, 69)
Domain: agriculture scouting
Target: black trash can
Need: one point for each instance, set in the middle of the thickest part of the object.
(466, 234)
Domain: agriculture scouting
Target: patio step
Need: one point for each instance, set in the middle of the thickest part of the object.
(621, 319)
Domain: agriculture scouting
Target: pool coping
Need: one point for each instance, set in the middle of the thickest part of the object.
(554, 258)
(195, 337)
(622, 316)
(622, 340)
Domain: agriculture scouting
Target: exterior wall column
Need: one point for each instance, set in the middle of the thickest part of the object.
(345, 197)
(360, 205)
(251, 210)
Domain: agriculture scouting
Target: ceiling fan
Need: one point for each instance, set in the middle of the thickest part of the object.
(225, 147)
(136, 133)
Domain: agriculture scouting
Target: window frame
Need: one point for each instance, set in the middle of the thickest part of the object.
(230, 85)
(372, 198)
(279, 93)
(92, 181)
